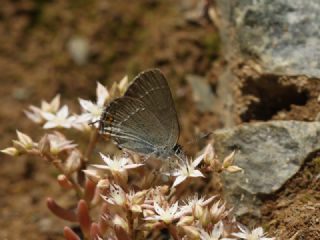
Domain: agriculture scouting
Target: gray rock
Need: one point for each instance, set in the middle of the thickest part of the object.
(283, 36)
(269, 152)
(202, 94)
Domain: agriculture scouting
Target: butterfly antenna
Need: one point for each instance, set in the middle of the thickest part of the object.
(205, 135)
(94, 122)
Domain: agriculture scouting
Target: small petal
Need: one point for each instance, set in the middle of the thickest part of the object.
(55, 103)
(197, 173)
(63, 112)
(24, 139)
(198, 160)
(102, 94)
(179, 180)
(48, 125)
(158, 209)
(234, 169)
(123, 84)
(48, 116)
(85, 104)
(228, 160)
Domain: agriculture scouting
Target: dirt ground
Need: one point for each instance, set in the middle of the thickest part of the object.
(124, 38)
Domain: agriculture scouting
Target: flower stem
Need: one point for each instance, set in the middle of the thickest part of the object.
(173, 232)
(92, 142)
(56, 163)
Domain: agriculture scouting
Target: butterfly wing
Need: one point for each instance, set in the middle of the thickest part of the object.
(151, 87)
(132, 125)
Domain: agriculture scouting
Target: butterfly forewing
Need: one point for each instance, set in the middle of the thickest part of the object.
(152, 89)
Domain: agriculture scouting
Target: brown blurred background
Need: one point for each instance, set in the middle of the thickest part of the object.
(50, 47)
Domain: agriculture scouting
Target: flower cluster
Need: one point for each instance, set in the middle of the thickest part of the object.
(125, 197)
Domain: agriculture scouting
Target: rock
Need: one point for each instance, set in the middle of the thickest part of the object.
(202, 94)
(272, 53)
(283, 36)
(269, 152)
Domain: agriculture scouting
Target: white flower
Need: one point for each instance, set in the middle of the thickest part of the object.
(36, 114)
(116, 196)
(256, 234)
(53, 106)
(59, 143)
(60, 119)
(135, 200)
(195, 200)
(218, 212)
(119, 165)
(216, 233)
(92, 111)
(80, 124)
(166, 215)
(187, 169)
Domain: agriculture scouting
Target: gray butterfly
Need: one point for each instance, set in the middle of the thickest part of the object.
(144, 120)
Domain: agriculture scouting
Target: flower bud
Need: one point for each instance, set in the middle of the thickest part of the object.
(44, 144)
(205, 218)
(103, 184)
(10, 151)
(228, 160)
(73, 162)
(185, 221)
(64, 182)
(191, 232)
(198, 211)
(209, 154)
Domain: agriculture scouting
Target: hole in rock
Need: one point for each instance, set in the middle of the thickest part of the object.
(272, 97)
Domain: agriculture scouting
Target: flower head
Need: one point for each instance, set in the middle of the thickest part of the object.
(218, 212)
(167, 215)
(35, 114)
(135, 200)
(255, 234)
(60, 119)
(216, 233)
(187, 169)
(92, 111)
(59, 143)
(118, 89)
(116, 165)
(194, 201)
(22, 145)
(116, 196)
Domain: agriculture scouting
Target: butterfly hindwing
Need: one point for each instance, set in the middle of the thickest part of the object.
(132, 125)
(152, 89)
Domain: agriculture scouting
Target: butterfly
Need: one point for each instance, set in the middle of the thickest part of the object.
(144, 120)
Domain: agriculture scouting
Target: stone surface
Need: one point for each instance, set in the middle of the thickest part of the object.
(283, 36)
(269, 152)
(202, 93)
